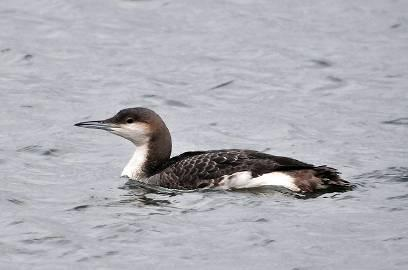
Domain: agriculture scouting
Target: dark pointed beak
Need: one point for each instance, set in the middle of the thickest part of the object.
(96, 125)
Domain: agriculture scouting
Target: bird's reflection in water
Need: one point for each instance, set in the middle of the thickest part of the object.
(147, 194)
(139, 192)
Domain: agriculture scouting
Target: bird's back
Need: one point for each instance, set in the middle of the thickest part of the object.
(234, 168)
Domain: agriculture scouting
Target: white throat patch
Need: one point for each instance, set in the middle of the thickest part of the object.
(137, 133)
(134, 167)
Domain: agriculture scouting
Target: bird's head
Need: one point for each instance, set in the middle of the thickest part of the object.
(138, 125)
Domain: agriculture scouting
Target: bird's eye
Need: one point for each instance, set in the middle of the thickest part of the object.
(129, 120)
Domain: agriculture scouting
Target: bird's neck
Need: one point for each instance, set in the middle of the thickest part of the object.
(150, 156)
(135, 168)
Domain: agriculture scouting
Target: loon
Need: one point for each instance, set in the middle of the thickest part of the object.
(225, 169)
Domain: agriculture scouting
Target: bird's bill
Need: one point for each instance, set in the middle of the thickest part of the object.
(97, 125)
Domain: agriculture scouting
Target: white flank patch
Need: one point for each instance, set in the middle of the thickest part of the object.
(133, 169)
(244, 180)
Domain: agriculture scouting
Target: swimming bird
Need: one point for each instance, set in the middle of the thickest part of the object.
(225, 169)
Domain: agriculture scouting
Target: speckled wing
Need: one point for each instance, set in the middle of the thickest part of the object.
(193, 170)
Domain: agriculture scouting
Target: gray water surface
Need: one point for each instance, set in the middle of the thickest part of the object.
(321, 81)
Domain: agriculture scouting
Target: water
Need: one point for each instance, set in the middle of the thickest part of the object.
(321, 81)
